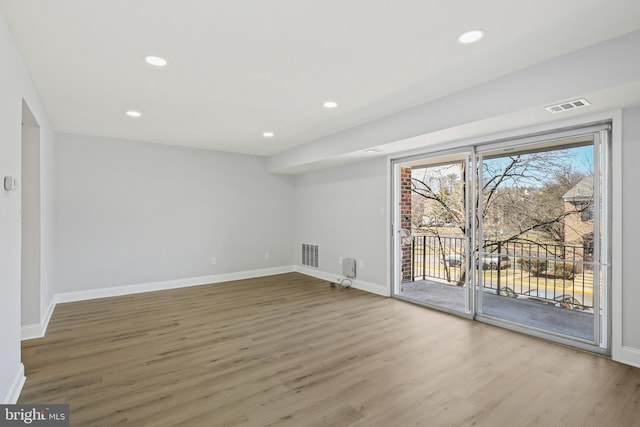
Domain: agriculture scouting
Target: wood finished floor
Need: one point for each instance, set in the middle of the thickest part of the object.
(289, 350)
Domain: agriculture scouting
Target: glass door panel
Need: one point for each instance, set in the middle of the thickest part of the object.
(539, 237)
(433, 219)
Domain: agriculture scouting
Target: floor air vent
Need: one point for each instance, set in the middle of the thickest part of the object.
(310, 255)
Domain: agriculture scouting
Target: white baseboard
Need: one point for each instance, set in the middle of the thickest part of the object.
(169, 284)
(32, 331)
(630, 356)
(371, 287)
(16, 387)
(37, 330)
(47, 316)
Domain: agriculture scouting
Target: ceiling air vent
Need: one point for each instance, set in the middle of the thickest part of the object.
(569, 105)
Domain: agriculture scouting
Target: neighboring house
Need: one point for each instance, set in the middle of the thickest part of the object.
(578, 226)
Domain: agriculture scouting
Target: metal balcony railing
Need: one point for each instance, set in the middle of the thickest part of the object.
(555, 273)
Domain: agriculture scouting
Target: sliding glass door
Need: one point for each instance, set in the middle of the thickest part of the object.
(512, 233)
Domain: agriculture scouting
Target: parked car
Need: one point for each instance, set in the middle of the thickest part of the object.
(453, 260)
(495, 261)
(488, 262)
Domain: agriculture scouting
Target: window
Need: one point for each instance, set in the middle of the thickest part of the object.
(586, 211)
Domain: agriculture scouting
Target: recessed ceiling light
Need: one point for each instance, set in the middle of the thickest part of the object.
(133, 113)
(155, 61)
(330, 104)
(268, 134)
(374, 150)
(471, 36)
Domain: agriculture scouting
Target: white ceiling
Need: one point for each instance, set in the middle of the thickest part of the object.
(239, 68)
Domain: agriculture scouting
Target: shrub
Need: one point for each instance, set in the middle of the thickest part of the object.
(566, 270)
(535, 267)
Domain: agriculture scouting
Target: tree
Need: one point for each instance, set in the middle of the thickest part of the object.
(521, 195)
(442, 188)
(418, 210)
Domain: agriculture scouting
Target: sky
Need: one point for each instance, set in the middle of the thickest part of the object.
(580, 159)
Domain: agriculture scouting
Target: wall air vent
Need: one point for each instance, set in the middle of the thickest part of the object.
(310, 255)
(569, 105)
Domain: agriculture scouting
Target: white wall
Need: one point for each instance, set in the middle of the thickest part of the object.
(344, 211)
(131, 213)
(16, 86)
(631, 232)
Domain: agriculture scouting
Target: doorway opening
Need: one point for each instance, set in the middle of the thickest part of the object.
(435, 232)
(30, 217)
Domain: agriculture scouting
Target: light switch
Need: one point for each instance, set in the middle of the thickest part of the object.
(10, 183)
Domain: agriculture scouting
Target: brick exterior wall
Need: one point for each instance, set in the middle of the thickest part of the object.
(405, 216)
(576, 230)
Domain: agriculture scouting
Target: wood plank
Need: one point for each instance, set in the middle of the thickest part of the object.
(289, 350)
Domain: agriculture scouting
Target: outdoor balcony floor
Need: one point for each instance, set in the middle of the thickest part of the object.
(575, 323)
